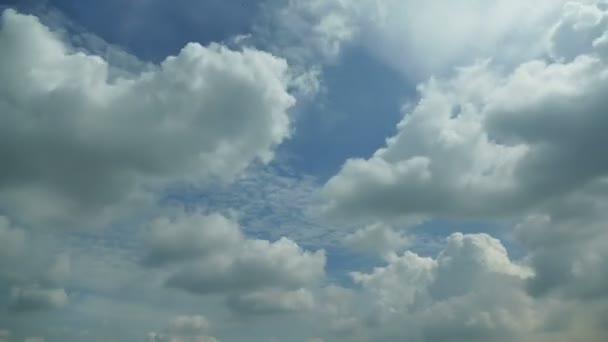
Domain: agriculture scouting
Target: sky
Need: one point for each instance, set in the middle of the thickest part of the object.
(303, 171)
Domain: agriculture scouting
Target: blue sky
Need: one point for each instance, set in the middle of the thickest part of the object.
(294, 171)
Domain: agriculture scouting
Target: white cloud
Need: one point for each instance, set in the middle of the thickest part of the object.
(189, 324)
(581, 29)
(184, 329)
(471, 291)
(419, 39)
(486, 143)
(208, 254)
(272, 300)
(77, 147)
(377, 238)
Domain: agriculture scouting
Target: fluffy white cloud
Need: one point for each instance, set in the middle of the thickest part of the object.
(417, 38)
(184, 329)
(582, 29)
(208, 254)
(77, 145)
(377, 238)
(472, 291)
(486, 143)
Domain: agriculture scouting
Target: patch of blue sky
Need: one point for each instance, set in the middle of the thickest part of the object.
(154, 29)
(359, 108)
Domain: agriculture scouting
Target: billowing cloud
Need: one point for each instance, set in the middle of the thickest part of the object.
(377, 238)
(405, 34)
(568, 249)
(208, 254)
(514, 139)
(486, 143)
(78, 145)
(472, 291)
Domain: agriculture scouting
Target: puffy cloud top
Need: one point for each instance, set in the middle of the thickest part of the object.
(76, 144)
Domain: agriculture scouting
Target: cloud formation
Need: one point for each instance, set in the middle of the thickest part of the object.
(486, 143)
(208, 254)
(34, 282)
(78, 147)
(406, 36)
(514, 139)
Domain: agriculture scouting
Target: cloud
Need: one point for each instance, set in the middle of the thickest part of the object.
(377, 238)
(79, 148)
(189, 324)
(34, 282)
(582, 29)
(486, 143)
(207, 254)
(190, 236)
(567, 249)
(405, 34)
(272, 301)
(184, 329)
(472, 291)
(36, 299)
(12, 240)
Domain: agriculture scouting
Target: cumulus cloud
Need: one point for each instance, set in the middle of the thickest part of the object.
(78, 147)
(486, 143)
(208, 254)
(34, 282)
(472, 291)
(568, 253)
(184, 329)
(582, 29)
(405, 34)
(518, 136)
(377, 238)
